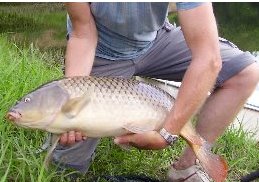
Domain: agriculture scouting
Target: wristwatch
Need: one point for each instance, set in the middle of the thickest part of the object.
(169, 138)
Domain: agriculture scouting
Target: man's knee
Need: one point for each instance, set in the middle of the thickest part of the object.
(247, 79)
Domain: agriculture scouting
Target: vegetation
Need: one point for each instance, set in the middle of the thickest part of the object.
(26, 62)
(44, 24)
(239, 23)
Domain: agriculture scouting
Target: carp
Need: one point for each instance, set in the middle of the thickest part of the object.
(106, 107)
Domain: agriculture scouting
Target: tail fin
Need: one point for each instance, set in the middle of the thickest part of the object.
(214, 165)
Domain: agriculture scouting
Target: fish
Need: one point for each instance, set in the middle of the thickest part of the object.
(107, 107)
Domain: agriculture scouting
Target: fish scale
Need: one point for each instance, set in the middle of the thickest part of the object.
(121, 89)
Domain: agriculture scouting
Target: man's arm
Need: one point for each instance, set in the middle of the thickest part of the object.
(200, 31)
(80, 51)
(82, 41)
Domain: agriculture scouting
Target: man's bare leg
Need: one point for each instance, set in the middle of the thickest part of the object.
(220, 109)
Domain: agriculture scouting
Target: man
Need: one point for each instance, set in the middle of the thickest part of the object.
(126, 39)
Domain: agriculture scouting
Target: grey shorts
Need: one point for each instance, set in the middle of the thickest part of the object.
(168, 59)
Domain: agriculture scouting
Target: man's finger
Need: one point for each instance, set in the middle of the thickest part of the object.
(79, 136)
(71, 138)
(63, 139)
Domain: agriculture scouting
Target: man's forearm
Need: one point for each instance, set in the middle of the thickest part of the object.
(200, 31)
(79, 57)
(197, 82)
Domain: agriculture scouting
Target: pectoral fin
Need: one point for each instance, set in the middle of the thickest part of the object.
(75, 105)
(54, 142)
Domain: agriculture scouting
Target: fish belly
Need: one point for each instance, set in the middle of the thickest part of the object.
(103, 120)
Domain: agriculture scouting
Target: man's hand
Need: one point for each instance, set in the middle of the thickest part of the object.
(71, 138)
(151, 140)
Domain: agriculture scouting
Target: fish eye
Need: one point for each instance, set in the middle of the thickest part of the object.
(27, 99)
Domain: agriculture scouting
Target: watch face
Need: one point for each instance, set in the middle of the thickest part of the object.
(170, 139)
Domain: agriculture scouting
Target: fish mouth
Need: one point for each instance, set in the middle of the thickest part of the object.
(13, 115)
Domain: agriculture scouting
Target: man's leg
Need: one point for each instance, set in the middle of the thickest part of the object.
(169, 58)
(220, 109)
(80, 155)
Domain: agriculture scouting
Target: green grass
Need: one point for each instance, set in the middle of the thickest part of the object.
(245, 37)
(44, 24)
(21, 70)
(24, 69)
(239, 23)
